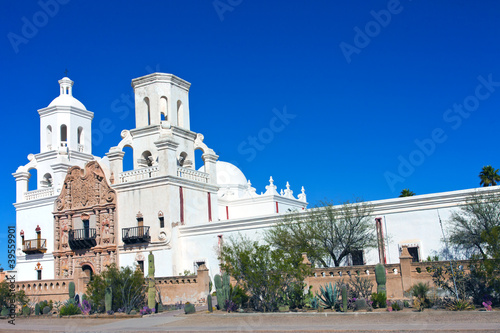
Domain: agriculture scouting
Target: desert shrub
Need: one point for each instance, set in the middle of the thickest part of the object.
(419, 291)
(239, 296)
(69, 309)
(128, 289)
(379, 300)
(271, 276)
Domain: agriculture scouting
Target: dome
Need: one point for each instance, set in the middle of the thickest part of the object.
(66, 95)
(67, 100)
(229, 174)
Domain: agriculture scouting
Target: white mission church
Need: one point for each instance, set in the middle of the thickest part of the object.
(87, 212)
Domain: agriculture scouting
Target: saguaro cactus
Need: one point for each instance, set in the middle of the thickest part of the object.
(380, 278)
(209, 297)
(71, 290)
(344, 298)
(151, 282)
(108, 296)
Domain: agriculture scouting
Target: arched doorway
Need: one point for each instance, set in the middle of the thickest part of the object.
(87, 273)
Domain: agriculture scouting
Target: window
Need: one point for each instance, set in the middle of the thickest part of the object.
(163, 108)
(80, 135)
(148, 110)
(140, 265)
(414, 253)
(180, 114)
(357, 257)
(64, 133)
(162, 221)
(39, 274)
(49, 137)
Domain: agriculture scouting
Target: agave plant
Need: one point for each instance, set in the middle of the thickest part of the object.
(328, 296)
(460, 305)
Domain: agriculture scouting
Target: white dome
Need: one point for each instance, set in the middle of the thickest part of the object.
(229, 174)
(66, 95)
(67, 100)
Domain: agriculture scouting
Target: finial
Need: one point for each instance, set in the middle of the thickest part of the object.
(302, 196)
(281, 192)
(271, 188)
(288, 192)
(66, 72)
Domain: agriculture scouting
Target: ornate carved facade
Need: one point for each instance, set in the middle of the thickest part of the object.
(84, 221)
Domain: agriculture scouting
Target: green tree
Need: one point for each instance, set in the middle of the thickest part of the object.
(479, 215)
(491, 262)
(406, 193)
(5, 295)
(271, 276)
(328, 234)
(489, 176)
(128, 285)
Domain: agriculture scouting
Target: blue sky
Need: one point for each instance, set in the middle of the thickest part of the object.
(371, 97)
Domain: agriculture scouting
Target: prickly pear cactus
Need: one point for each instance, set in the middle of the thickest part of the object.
(220, 293)
(380, 278)
(189, 308)
(37, 309)
(151, 282)
(26, 311)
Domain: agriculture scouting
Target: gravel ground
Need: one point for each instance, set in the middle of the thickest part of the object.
(176, 321)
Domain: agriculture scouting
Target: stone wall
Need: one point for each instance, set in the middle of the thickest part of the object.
(55, 290)
(399, 277)
(193, 289)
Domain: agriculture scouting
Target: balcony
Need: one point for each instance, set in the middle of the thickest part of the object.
(32, 246)
(82, 238)
(136, 235)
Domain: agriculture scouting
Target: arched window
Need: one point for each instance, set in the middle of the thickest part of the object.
(80, 135)
(198, 161)
(148, 110)
(128, 158)
(64, 135)
(49, 137)
(32, 181)
(163, 108)
(180, 114)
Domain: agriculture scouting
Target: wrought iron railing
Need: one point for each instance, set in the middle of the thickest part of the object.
(136, 235)
(35, 246)
(82, 238)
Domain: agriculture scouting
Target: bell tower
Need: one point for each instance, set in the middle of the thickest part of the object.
(159, 98)
(65, 141)
(66, 124)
